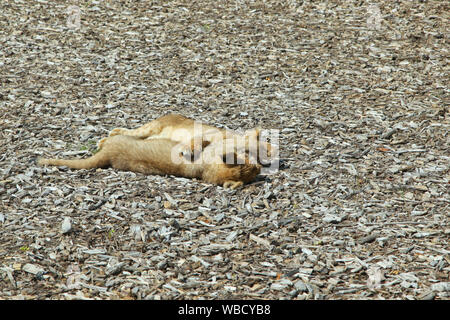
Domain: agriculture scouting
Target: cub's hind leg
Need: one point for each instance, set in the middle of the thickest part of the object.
(153, 127)
(145, 131)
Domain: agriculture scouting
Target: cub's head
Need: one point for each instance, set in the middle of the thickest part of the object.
(232, 168)
(256, 148)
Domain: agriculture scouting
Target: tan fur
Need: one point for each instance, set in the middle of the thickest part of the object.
(163, 156)
(179, 128)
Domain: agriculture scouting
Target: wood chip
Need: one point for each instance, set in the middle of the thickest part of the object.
(356, 95)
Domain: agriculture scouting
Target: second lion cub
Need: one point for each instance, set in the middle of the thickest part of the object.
(187, 131)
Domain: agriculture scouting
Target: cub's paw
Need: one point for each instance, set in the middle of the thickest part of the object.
(118, 131)
(232, 184)
(100, 143)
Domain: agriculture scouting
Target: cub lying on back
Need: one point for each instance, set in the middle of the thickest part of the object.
(179, 128)
(164, 156)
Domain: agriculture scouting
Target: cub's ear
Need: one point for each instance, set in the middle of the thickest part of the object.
(205, 143)
(195, 142)
(194, 149)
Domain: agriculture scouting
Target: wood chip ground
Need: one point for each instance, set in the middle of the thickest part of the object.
(359, 208)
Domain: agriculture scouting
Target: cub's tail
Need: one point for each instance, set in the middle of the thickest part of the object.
(96, 161)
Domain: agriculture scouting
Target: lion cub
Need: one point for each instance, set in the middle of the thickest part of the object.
(185, 130)
(165, 156)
